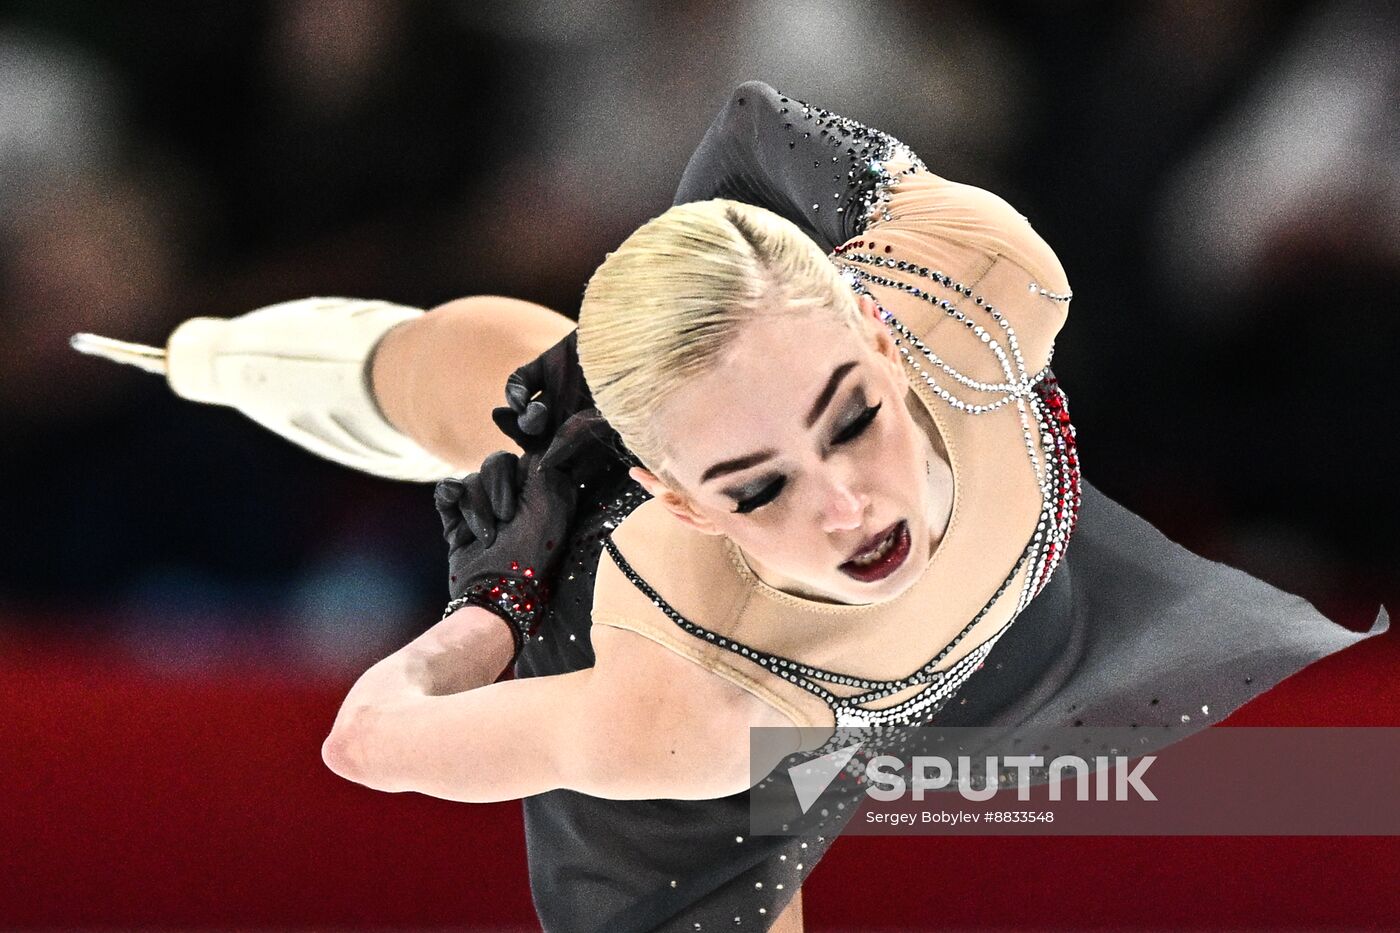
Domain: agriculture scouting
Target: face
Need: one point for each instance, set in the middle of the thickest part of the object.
(800, 445)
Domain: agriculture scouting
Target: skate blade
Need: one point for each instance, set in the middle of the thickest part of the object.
(151, 359)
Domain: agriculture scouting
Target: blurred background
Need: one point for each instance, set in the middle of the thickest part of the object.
(185, 596)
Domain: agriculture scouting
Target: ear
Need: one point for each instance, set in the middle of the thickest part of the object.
(675, 503)
(878, 333)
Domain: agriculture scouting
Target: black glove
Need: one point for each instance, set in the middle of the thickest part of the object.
(542, 395)
(549, 411)
(506, 529)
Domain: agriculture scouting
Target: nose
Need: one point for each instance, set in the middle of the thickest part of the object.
(844, 507)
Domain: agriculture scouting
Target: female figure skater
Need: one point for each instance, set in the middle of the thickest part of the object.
(842, 494)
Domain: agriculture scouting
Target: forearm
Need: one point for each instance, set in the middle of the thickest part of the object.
(429, 718)
(466, 650)
(436, 378)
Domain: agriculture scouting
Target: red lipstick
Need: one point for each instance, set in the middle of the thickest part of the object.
(896, 544)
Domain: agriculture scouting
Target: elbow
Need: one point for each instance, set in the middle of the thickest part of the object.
(752, 92)
(346, 753)
(337, 754)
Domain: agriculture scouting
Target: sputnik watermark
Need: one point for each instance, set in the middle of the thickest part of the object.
(1139, 779)
(812, 777)
(886, 782)
(933, 772)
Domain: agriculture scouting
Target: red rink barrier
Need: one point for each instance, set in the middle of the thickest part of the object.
(136, 797)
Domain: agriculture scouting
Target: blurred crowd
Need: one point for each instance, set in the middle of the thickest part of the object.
(1221, 181)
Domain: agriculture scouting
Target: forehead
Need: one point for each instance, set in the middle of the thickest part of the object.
(759, 392)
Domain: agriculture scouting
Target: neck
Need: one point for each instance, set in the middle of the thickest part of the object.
(786, 584)
(938, 476)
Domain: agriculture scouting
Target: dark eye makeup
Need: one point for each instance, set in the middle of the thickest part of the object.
(854, 429)
(858, 425)
(765, 495)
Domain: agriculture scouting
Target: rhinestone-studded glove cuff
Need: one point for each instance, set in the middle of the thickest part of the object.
(505, 527)
(517, 600)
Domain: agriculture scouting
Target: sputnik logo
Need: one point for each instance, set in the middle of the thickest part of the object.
(812, 777)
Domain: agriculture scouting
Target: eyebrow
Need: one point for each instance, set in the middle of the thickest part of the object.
(824, 399)
(818, 407)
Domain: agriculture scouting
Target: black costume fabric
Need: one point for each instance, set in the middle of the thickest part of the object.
(1131, 628)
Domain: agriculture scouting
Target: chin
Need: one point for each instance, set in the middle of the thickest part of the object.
(896, 584)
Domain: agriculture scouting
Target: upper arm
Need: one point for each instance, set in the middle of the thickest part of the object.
(979, 240)
(800, 161)
(642, 723)
(660, 725)
(989, 223)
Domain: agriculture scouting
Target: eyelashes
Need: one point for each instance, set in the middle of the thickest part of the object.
(857, 427)
(850, 432)
(765, 495)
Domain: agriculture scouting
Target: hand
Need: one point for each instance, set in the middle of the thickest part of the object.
(550, 411)
(542, 395)
(472, 506)
(506, 527)
(585, 432)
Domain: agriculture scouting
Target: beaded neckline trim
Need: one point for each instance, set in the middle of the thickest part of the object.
(938, 683)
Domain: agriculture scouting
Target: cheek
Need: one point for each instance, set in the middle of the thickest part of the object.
(779, 537)
(900, 451)
(749, 530)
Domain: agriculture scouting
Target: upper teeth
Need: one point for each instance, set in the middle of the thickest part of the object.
(879, 551)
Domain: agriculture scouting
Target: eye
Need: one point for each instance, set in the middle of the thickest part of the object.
(764, 496)
(857, 427)
(850, 432)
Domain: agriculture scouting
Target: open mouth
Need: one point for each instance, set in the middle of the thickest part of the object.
(882, 558)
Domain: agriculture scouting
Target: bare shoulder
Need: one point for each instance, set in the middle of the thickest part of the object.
(661, 725)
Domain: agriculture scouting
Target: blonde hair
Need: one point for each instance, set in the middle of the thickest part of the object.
(667, 302)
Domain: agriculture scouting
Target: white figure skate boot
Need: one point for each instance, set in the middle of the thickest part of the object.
(301, 369)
